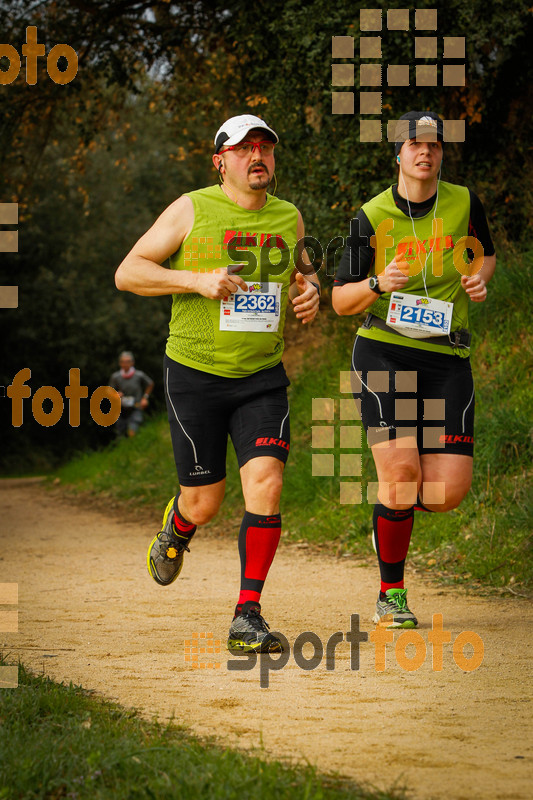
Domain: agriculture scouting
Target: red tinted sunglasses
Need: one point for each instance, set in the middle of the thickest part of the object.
(247, 148)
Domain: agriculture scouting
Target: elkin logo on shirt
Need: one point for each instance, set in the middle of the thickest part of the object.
(241, 239)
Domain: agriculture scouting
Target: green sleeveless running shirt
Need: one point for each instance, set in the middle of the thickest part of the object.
(443, 279)
(265, 240)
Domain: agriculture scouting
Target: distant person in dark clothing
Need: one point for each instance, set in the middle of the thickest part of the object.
(134, 388)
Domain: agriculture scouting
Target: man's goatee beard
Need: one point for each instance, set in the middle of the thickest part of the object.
(260, 183)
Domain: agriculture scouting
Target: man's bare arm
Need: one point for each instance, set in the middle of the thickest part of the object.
(141, 271)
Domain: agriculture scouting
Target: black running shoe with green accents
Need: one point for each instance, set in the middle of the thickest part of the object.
(249, 633)
(166, 551)
(395, 606)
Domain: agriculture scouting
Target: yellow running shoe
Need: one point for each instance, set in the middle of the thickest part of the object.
(166, 551)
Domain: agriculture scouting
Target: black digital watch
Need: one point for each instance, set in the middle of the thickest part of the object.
(374, 285)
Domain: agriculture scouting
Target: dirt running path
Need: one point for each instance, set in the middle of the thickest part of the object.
(88, 612)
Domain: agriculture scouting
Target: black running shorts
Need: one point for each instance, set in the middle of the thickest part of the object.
(403, 391)
(204, 408)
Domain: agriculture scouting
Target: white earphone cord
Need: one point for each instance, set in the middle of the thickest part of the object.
(424, 270)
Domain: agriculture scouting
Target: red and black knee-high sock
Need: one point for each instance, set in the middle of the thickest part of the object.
(258, 540)
(182, 527)
(392, 534)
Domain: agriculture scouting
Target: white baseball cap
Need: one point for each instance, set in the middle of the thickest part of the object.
(235, 129)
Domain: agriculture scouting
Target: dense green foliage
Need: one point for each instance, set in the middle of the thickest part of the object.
(486, 541)
(58, 741)
(92, 163)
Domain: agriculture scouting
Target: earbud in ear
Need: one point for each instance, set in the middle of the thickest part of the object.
(398, 159)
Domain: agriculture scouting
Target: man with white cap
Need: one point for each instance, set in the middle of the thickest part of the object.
(236, 258)
(405, 265)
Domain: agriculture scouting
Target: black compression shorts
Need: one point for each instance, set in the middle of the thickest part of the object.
(204, 408)
(402, 392)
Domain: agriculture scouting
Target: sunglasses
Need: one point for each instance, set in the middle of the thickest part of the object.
(247, 148)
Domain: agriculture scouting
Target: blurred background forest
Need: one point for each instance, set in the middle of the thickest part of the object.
(92, 163)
